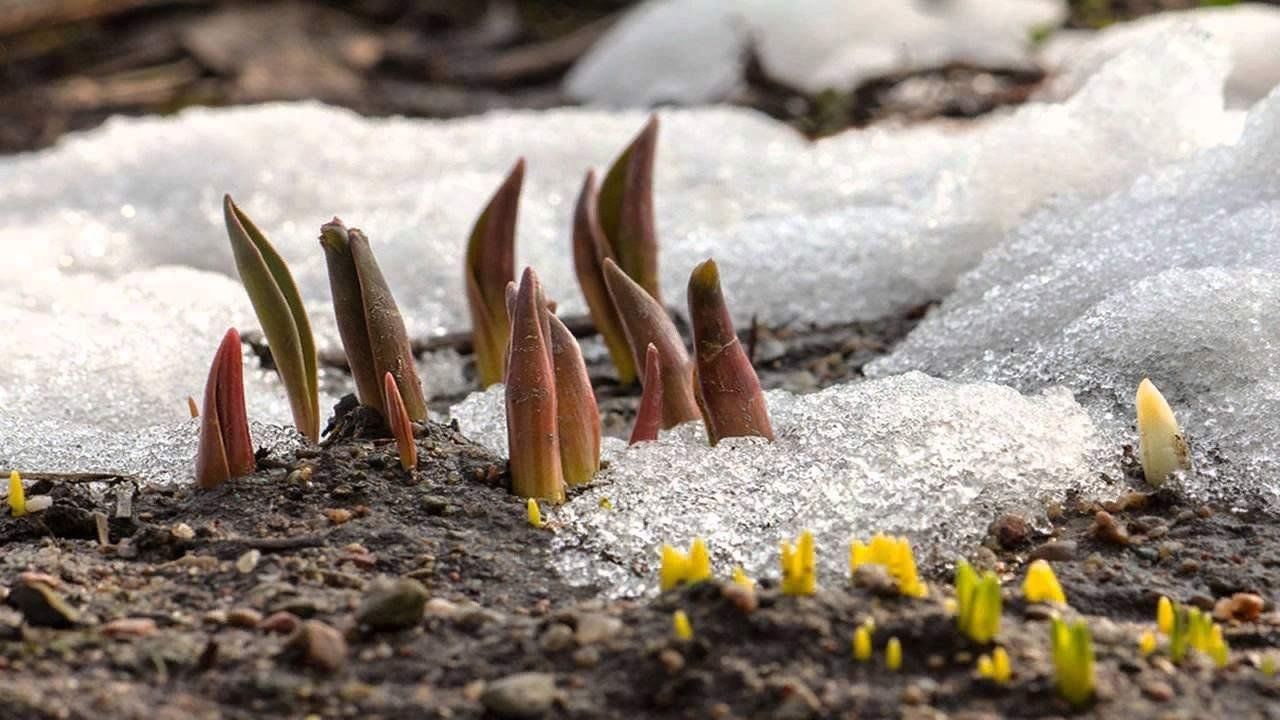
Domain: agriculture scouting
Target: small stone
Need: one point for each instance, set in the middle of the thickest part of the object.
(1011, 530)
(1106, 529)
(741, 597)
(875, 578)
(798, 701)
(129, 628)
(1040, 611)
(39, 503)
(182, 531)
(1188, 567)
(247, 562)
(1055, 551)
(395, 605)
(42, 606)
(315, 644)
(214, 617)
(435, 505)
(594, 627)
(280, 622)
(672, 661)
(586, 657)
(556, 637)
(244, 617)
(913, 695)
(338, 516)
(522, 695)
(1204, 512)
(439, 607)
(1244, 607)
(1157, 690)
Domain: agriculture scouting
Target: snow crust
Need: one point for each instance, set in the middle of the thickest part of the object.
(694, 51)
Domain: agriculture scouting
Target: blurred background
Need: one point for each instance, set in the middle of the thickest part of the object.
(69, 64)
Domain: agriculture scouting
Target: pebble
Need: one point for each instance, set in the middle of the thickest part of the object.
(1010, 530)
(522, 695)
(556, 637)
(244, 617)
(1245, 607)
(247, 562)
(338, 516)
(798, 701)
(1157, 690)
(741, 597)
(586, 657)
(439, 607)
(42, 606)
(394, 605)
(182, 531)
(129, 628)
(1106, 528)
(435, 505)
(672, 661)
(280, 622)
(1055, 551)
(1188, 567)
(594, 627)
(317, 645)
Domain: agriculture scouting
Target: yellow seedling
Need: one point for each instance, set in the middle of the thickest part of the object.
(680, 622)
(535, 514)
(893, 654)
(1161, 445)
(1193, 629)
(862, 643)
(799, 566)
(996, 667)
(679, 568)
(740, 577)
(1164, 615)
(1218, 649)
(605, 503)
(1268, 664)
(1041, 585)
(17, 495)
(1147, 643)
(894, 553)
(978, 602)
(1073, 661)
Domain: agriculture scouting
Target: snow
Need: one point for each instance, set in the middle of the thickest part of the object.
(839, 467)
(1250, 31)
(694, 51)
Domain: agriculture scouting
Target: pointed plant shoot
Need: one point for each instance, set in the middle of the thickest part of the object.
(728, 390)
(626, 210)
(649, 416)
(646, 322)
(577, 415)
(491, 260)
(533, 438)
(369, 321)
(280, 311)
(590, 248)
(225, 450)
(1162, 447)
(398, 421)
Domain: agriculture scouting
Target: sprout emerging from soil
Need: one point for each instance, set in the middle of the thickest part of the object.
(1164, 615)
(1147, 643)
(533, 437)
(799, 566)
(590, 248)
(1073, 661)
(369, 322)
(862, 643)
(649, 415)
(17, 495)
(646, 323)
(1161, 445)
(577, 414)
(490, 265)
(740, 578)
(534, 513)
(1196, 630)
(225, 450)
(893, 654)
(728, 391)
(680, 624)
(894, 554)
(996, 667)
(1041, 585)
(978, 603)
(278, 305)
(192, 407)
(680, 569)
(625, 209)
(398, 420)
